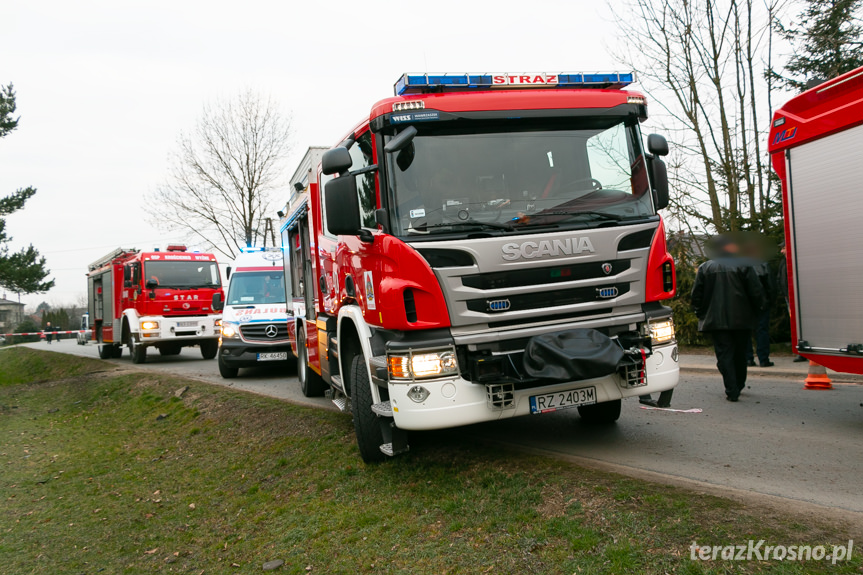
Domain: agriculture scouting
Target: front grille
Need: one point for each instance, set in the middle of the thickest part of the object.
(546, 275)
(278, 331)
(547, 299)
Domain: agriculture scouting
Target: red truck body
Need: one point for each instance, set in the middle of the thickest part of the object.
(153, 299)
(816, 142)
(443, 259)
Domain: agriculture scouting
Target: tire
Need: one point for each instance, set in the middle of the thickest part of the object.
(105, 351)
(209, 348)
(605, 412)
(136, 350)
(366, 424)
(117, 351)
(311, 384)
(226, 371)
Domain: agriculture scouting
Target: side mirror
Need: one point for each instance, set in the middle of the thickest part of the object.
(218, 304)
(228, 273)
(659, 175)
(343, 206)
(402, 140)
(151, 284)
(657, 145)
(336, 161)
(127, 274)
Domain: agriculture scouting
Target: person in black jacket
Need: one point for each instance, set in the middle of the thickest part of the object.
(727, 298)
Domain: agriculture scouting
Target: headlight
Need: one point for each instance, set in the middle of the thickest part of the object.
(149, 325)
(422, 365)
(230, 330)
(662, 331)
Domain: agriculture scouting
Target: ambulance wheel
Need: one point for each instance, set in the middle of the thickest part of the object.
(209, 348)
(226, 371)
(605, 412)
(311, 384)
(137, 351)
(105, 351)
(366, 424)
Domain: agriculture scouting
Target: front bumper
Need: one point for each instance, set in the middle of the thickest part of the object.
(455, 401)
(243, 354)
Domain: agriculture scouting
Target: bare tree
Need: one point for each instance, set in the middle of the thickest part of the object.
(222, 177)
(702, 62)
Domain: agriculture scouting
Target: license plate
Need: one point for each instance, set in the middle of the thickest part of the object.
(273, 356)
(187, 324)
(562, 400)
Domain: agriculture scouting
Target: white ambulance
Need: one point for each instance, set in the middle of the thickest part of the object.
(254, 317)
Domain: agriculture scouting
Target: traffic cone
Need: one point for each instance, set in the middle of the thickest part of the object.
(817, 378)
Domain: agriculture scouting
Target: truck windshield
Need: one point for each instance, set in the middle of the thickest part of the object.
(449, 181)
(251, 288)
(182, 274)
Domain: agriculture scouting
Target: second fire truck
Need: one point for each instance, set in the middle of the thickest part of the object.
(154, 299)
(482, 247)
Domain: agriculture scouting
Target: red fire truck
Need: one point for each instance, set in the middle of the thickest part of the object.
(814, 143)
(485, 246)
(154, 299)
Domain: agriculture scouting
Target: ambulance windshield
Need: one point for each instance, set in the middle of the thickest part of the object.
(457, 180)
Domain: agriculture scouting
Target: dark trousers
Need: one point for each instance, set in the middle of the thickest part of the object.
(730, 347)
(762, 339)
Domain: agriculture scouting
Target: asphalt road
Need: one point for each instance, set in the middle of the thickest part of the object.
(781, 441)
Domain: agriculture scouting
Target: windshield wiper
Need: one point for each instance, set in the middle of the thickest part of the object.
(470, 222)
(596, 215)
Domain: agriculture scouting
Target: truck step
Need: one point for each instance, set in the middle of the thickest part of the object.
(341, 402)
(384, 409)
(337, 383)
(387, 449)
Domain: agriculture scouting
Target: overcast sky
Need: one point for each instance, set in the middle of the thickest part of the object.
(105, 88)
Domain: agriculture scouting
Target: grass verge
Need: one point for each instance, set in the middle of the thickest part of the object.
(110, 470)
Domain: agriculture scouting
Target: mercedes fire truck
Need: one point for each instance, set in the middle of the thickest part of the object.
(154, 299)
(816, 142)
(482, 247)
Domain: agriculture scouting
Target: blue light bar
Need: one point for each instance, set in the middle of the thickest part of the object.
(428, 83)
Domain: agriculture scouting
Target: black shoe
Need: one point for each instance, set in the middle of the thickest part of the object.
(767, 363)
(649, 402)
(731, 397)
(751, 363)
(664, 405)
(799, 358)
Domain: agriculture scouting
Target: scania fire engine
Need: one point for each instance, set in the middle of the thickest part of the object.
(816, 141)
(154, 299)
(482, 247)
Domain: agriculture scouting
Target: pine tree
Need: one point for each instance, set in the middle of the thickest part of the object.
(827, 42)
(23, 271)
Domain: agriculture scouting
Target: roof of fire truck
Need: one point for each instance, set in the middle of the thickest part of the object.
(524, 91)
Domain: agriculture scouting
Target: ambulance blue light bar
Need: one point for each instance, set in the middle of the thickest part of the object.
(427, 83)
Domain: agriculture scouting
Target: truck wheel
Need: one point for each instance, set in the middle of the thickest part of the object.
(209, 348)
(366, 424)
(117, 351)
(227, 371)
(311, 384)
(105, 351)
(137, 351)
(605, 412)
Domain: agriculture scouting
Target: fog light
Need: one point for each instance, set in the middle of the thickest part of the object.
(418, 394)
(674, 353)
